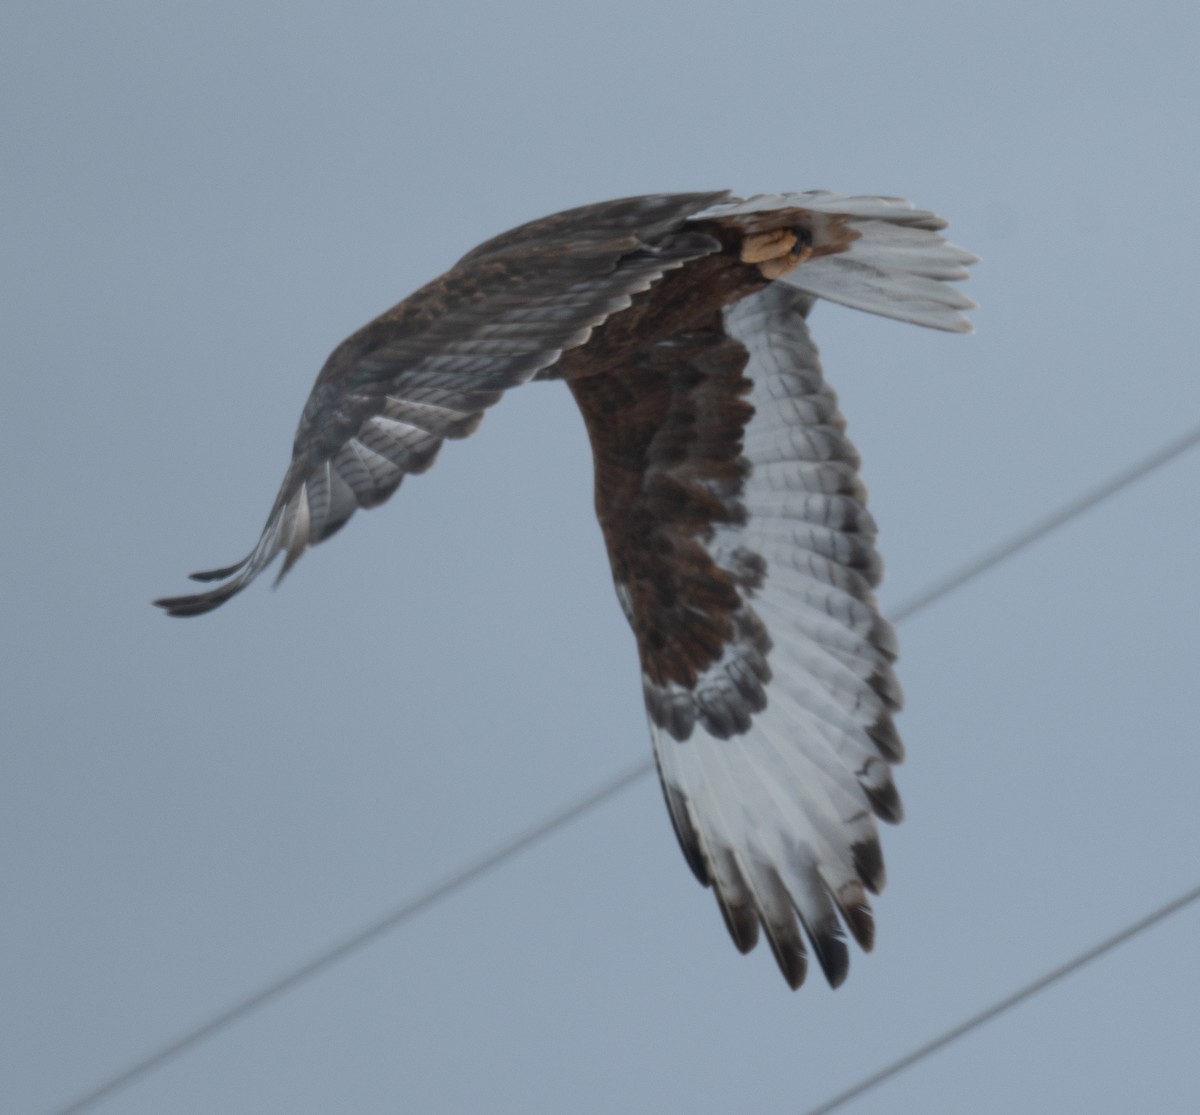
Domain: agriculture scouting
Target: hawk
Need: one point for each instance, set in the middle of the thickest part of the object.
(727, 492)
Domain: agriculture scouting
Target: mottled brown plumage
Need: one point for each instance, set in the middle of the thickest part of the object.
(666, 434)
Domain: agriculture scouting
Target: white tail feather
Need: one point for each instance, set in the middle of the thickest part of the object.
(897, 265)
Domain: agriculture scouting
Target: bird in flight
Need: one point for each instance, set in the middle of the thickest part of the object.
(727, 491)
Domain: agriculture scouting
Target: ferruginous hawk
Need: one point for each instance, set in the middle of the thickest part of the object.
(727, 491)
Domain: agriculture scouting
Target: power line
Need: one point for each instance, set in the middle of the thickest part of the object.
(1009, 1001)
(356, 941)
(559, 820)
(1049, 523)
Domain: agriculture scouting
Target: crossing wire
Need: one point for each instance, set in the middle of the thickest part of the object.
(601, 794)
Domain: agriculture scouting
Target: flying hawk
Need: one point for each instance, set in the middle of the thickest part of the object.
(727, 492)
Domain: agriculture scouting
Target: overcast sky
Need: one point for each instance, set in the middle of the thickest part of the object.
(199, 201)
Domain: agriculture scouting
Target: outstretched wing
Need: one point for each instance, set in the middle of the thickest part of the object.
(744, 557)
(427, 369)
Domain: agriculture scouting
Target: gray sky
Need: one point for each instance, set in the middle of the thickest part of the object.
(199, 201)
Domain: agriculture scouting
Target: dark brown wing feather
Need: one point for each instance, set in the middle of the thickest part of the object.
(425, 370)
(666, 434)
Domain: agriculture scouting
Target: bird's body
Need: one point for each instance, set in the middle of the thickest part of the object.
(728, 495)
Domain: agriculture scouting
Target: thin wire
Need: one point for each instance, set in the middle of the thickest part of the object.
(358, 940)
(1051, 522)
(468, 874)
(976, 1020)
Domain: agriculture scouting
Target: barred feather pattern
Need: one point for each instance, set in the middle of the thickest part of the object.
(777, 762)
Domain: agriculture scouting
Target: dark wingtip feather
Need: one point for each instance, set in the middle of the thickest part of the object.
(885, 802)
(787, 946)
(887, 739)
(741, 923)
(218, 574)
(832, 954)
(685, 832)
(861, 923)
(735, 899)
(868, 863)
(200, 603)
